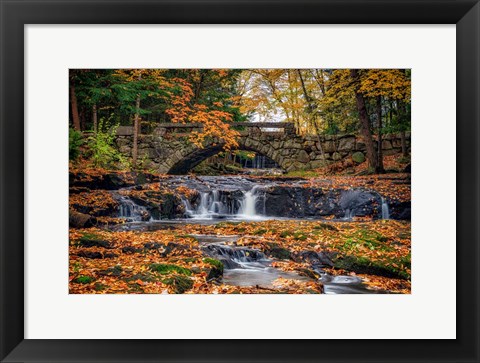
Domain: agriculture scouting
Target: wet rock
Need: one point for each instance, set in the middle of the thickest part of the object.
(81, 220)
(216, 269)
(359, 203)
(92, 240)
(153, 246)
(130, 249)
(278, 252)
(317, 260)
(90, 254)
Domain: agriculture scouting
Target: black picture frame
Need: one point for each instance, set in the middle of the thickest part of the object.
(15, 14)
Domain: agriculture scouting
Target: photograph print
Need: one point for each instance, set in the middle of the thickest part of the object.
(239, 181)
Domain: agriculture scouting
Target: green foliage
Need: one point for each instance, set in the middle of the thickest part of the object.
(388, 268)
(300, 236)
(213, 262)
(260, 231)
(166, 268)
(245, 155)
(83, 279)
(285, 234)
(92, 240)
(75, 140)
(102, 150)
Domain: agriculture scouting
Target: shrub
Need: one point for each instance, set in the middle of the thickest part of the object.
(75, 140)
(102, 149)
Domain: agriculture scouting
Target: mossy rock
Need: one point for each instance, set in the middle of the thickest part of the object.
(300, 236)
(278, 252)
(112, 271)
(358, 157)
(286, 233)
(93, 240)
(216, 271)
(145, 277)
(325, 226)
(83, 279)
(166, 269)
(179, 283)
(99, 286)
(363, 265)
(260, 231)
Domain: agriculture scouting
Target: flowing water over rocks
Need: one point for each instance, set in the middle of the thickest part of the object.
(250, 267)
(234, 199)
(244, 198)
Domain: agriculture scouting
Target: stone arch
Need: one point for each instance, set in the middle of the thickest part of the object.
(185, 159)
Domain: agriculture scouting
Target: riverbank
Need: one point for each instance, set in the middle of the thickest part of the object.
(171, 259)
(146, 233)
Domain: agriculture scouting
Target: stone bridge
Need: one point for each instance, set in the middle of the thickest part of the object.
(169, 151)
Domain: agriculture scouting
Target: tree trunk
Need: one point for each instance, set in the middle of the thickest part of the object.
(364, 124)
(380, 168)
(74, 104)
(95, 122)
(404, 144)
(135, 132)
(136, 122)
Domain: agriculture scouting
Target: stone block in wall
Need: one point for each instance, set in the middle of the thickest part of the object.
(391, 152)
(328, 146)
(275, 155)
(336, 156)
(397, 143)
(317, 164)
(346, 144)
(159, 131)
(124, 149)
(124, 130)
(149, 153)
(309, 143)
(360, 146)
(386, 145)
(303, 156)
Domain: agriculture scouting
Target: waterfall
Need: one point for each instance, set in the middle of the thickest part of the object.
(385, 210)
(217, 204)
(130, 210)
(248, 204)
(349, 214)
(212, 204)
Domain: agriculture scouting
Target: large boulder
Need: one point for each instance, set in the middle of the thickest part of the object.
(303, 156)
(346, 144)
(358, 157)
(81, 220)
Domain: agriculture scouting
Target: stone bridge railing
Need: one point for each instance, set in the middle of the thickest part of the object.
(168, 150)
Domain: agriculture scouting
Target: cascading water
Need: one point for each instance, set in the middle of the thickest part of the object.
(213, 204)
(128, 209)
(248, 205)
(385, 210)
(217, 204)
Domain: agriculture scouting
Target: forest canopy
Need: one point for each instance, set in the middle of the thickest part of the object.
(316, 101)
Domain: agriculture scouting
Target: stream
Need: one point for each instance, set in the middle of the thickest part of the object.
(220, 199)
